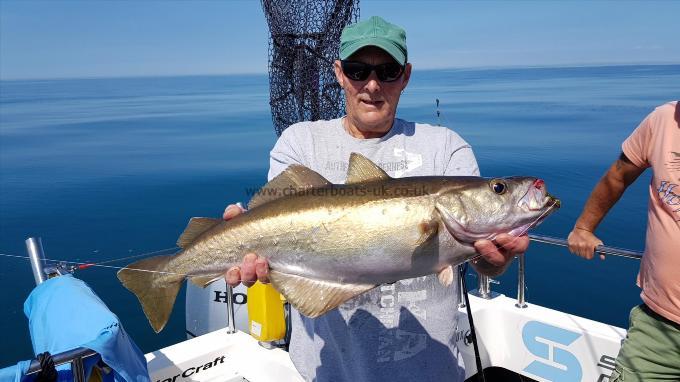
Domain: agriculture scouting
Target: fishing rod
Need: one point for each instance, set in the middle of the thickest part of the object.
(601, 249)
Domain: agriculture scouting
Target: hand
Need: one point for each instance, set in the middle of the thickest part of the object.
(495, 256)
(505, 248)
(252, 268)
(583, 243)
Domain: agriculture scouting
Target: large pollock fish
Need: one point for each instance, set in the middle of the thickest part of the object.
(328, 243)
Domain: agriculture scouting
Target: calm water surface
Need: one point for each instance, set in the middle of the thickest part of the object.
(107, 168)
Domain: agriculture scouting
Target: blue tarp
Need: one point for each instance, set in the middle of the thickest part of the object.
(63, 314)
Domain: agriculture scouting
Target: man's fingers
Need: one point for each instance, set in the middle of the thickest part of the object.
(590, 247)
(587, 253)
(248, 275)
(489, 252)
(513, 244)
(583, 243)
(233, 276)
(232, 211)
(262, 270)
(597, 244)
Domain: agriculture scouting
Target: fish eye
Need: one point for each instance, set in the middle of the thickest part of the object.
(498, 187)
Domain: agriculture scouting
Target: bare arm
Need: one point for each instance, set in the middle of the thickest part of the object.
(622, 173)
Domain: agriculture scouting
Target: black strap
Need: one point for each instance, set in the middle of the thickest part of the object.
(47, 371)
(478, 360)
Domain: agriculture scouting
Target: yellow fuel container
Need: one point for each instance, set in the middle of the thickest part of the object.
(266, 319)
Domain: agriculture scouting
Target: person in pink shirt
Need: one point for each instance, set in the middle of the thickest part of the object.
(651, 350)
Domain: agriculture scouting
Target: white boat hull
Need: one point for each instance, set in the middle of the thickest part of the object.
(540, 343)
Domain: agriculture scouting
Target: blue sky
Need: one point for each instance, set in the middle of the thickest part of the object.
(76, 39)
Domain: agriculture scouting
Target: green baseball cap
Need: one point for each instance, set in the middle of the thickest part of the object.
(374, 32)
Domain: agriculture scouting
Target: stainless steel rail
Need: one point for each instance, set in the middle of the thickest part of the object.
(521, 283)
(231, 322)
(74, 357)
(37, 256)
(484, 287)
(461, 293)
(602, 249)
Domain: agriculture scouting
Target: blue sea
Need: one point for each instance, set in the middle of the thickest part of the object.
(104, 169)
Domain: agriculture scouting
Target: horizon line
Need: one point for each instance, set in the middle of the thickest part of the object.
(543, 66)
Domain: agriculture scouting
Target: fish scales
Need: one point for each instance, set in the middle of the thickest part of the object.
(329, 243)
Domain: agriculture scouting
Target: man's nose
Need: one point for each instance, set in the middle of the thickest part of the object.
(372, 83)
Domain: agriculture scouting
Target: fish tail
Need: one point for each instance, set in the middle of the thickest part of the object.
(155, 288)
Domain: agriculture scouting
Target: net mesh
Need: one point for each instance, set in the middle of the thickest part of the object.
(303, 43)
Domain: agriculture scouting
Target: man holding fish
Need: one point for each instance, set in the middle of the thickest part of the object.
(404, 330)
(364, 257)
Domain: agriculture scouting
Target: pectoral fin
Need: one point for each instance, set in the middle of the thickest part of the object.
(314, 297)
(428, 229)
(446, 276)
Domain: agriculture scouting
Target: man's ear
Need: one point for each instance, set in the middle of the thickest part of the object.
(337, 68)
(406, 77)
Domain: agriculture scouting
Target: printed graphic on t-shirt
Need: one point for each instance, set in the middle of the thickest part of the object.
(669, 190)
(669, 194)
(396, 344)
(412, 161)
(405, 163)
(673, 164)
(336, 165)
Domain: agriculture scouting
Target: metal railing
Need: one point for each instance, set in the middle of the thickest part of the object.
(37, 257)
(75, 356)
(484, 284)
(602, 249)
(231, 322)
(521, 283)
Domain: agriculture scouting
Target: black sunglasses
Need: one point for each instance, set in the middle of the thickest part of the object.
(359, 71)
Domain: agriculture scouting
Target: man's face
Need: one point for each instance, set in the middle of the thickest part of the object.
(371, 104)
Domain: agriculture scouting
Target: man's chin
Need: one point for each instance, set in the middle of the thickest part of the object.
(373, 116)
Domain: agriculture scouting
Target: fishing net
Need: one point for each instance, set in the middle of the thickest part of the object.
(303, 43)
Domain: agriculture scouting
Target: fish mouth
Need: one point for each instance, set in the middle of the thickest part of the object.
(536, 197)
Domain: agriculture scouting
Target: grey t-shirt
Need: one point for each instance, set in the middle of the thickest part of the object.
(398, 332)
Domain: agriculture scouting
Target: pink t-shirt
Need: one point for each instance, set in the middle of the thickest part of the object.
(656, 144)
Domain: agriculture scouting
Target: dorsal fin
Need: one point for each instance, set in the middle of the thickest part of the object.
(295, 177)
(362, 169)
(195, 228)
(314, 297)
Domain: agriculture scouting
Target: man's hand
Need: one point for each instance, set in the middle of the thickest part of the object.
(583, 243)
(621, 174)
(496, 256)
(252, 268)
